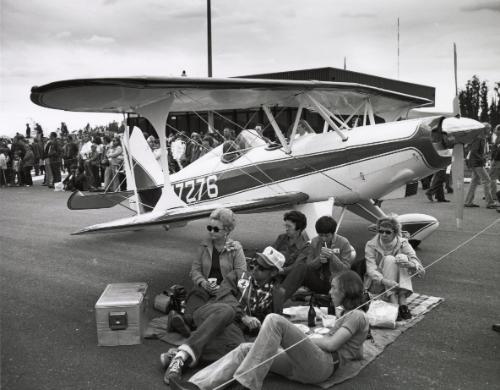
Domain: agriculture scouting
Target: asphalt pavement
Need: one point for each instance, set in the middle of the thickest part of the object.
(51, 280)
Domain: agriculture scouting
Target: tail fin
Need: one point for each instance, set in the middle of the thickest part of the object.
(145, 176)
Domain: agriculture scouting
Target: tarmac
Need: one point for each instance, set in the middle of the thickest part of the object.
(50, 282)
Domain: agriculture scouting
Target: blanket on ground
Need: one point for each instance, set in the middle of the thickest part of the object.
(417, 303)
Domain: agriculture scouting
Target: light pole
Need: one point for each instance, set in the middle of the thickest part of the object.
(209, 49)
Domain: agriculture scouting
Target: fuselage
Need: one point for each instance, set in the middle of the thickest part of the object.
(374, 161)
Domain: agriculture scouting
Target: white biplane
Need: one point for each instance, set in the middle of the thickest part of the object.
(308, 170)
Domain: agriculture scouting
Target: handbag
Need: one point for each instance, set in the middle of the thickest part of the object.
(382, 314)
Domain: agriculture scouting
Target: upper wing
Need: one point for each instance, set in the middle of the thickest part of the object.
(125, 95)
(188, 213)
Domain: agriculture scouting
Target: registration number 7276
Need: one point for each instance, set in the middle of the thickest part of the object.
(198, 189)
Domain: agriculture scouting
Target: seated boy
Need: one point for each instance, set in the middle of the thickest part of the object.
(329, 255)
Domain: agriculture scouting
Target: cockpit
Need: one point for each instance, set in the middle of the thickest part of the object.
(248, 139)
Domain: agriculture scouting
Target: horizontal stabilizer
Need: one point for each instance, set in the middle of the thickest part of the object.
(190, 213)
(96, 200)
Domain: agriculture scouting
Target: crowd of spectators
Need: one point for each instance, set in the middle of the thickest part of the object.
(83, 160)
(234, 295)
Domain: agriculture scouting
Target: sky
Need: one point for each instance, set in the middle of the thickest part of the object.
(42, 41)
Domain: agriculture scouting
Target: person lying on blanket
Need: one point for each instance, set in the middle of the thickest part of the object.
(244, 301)
(303, 359)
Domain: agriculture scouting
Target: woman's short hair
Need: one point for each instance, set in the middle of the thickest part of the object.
(298, 218)
(225, 216)
(326, 225)
(390, 223)
(350, 283)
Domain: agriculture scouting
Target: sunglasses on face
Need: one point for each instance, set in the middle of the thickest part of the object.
(215, 229)
(382, 231)
(259, 267)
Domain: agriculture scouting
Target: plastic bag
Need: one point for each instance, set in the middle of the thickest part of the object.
(382, 314)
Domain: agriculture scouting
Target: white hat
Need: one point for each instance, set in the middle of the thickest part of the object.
(272, 257)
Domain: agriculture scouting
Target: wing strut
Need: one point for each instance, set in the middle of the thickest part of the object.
(276, 128)
(157, 114)
(325, 114)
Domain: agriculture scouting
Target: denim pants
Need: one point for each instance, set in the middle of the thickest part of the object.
(479, 175)
(392, 271)
(305, 362)
(216, 332)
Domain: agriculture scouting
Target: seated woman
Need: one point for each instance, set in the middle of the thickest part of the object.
(218, 255)
(390, 262)
(297, 357)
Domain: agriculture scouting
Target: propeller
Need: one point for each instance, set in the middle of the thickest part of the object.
(457, 172)
(457, 158)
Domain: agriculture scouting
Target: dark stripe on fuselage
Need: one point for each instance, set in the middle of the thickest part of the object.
(250, 177)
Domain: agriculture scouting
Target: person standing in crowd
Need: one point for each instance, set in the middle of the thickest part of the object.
(282, 348)
(207, 144)
(39, 131)
(37, 147)
(4, 160)
(27, 166)
(229, 134)
(28, 130)
(70, 153)
(390, 263)
(17, 169)
(52, 155)
(477, 163)
(494, 172)
(195, 148)
(115, 158)
(178, 149)
(436, 187)
(86, 147)
(92, 167)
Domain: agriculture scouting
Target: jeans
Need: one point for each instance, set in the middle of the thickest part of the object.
(436, 186)
(216, 333)
(305, 362)
(392, 271)
(479, 175)
(49, 177)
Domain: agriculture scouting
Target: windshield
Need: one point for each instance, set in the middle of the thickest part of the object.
(246, 140)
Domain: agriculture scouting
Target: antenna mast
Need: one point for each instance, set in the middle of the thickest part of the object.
(398, 48)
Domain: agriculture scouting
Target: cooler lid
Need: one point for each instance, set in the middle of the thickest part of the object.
(122, 294)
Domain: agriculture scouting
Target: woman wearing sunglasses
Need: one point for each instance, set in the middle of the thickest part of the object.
(306, 360)
(218, 254)
(390, 263)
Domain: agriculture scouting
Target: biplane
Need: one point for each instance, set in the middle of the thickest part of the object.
(311, 170)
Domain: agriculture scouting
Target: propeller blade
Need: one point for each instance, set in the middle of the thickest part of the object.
(457, 172)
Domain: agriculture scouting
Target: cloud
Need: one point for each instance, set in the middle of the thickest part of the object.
(488, 6)
(63, 35)
(357, 15)
(99, 40)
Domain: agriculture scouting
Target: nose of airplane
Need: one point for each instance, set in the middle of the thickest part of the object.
(458, 132)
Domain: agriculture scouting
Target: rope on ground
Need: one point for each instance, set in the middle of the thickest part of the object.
(364, 304)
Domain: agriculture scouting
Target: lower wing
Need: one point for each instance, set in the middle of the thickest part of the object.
(188, 213)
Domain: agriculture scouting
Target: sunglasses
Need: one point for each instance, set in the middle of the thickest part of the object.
(382, 231)
(216, 229)
(259, 267)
